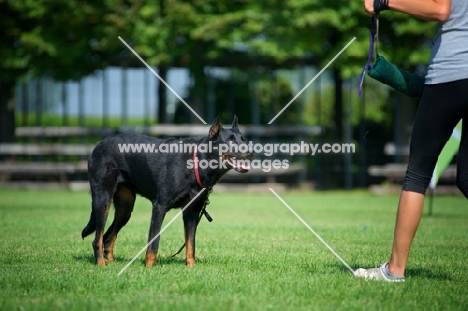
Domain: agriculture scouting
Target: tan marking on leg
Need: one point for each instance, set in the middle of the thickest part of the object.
(100, 261)
(189, 252)
(125, 194)
(99, 256)
(150, 258)
(123, 201)
(109, 252)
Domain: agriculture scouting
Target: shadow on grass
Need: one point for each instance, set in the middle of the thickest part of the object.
(178, 260)
(165, 260)
(427, 274)
(85, 258)
(162, 260)
(340, 267)
(90, 258)
(441, 216)
(314, 268)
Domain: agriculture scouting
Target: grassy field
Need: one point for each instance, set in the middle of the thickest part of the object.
(255, 255)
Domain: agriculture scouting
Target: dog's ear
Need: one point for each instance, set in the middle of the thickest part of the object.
(214, 129)
(234, 122)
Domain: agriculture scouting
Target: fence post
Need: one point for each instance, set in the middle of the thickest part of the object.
(81, 91)
(124, 96)
(25, 103)
(38, 102)
(162, 96)
(64, 104)
(105, 99)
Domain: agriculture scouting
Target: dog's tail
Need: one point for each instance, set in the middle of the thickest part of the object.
(90, 227)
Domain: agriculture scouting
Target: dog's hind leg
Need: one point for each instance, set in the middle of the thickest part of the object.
(124, 200)
(157, 218)
(102, 199)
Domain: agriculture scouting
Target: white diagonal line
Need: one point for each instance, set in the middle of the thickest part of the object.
(159, 233)
(313, 79)
(312, 230)
(168, 86)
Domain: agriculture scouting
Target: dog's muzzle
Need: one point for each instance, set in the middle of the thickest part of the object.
(238, 162)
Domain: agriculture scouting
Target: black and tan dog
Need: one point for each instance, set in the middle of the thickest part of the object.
(166, 179)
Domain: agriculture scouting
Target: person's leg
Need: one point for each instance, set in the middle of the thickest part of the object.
(440, 109)
(409, 214)
(437, 115)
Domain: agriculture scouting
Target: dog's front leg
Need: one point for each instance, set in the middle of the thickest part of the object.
(157, 218)
(190, 229)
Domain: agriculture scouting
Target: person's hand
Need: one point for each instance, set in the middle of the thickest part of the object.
(369, 7)
(373, 7)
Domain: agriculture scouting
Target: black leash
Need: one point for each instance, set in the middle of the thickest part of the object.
(203, 212)
(373, 43)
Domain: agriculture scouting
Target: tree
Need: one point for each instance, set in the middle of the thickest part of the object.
(293, 33)
(59, 39)
(69, 39)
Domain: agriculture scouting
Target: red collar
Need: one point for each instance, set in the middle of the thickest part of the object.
(195, 167)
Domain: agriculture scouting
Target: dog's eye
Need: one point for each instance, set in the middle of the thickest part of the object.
(232, 138)
(243, 138)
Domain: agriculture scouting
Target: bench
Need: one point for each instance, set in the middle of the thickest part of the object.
(13, 169)
(395, 173)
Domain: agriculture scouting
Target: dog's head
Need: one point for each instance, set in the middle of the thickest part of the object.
(232, 146)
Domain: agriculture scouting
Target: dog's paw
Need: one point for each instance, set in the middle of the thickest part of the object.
(150, 259)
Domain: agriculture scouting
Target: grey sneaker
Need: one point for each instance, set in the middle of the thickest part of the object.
(378, 274)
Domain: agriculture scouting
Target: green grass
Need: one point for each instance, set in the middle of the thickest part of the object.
(255, 255)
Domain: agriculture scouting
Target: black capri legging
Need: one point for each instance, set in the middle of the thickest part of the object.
(441, 107)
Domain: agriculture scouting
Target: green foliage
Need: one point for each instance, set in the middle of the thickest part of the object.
(237, 91)
(255, 255)
(374, 105)
(66, 39)
(70, 39)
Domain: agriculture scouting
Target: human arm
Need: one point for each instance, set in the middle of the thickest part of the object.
(431, 10)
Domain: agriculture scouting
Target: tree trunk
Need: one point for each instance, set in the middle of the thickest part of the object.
(7, 112)
(162, 89)
(198, 95)
(338, 117)
(162, 98)
(338, 122)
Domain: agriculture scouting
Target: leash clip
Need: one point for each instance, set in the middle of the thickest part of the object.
(207, 216)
